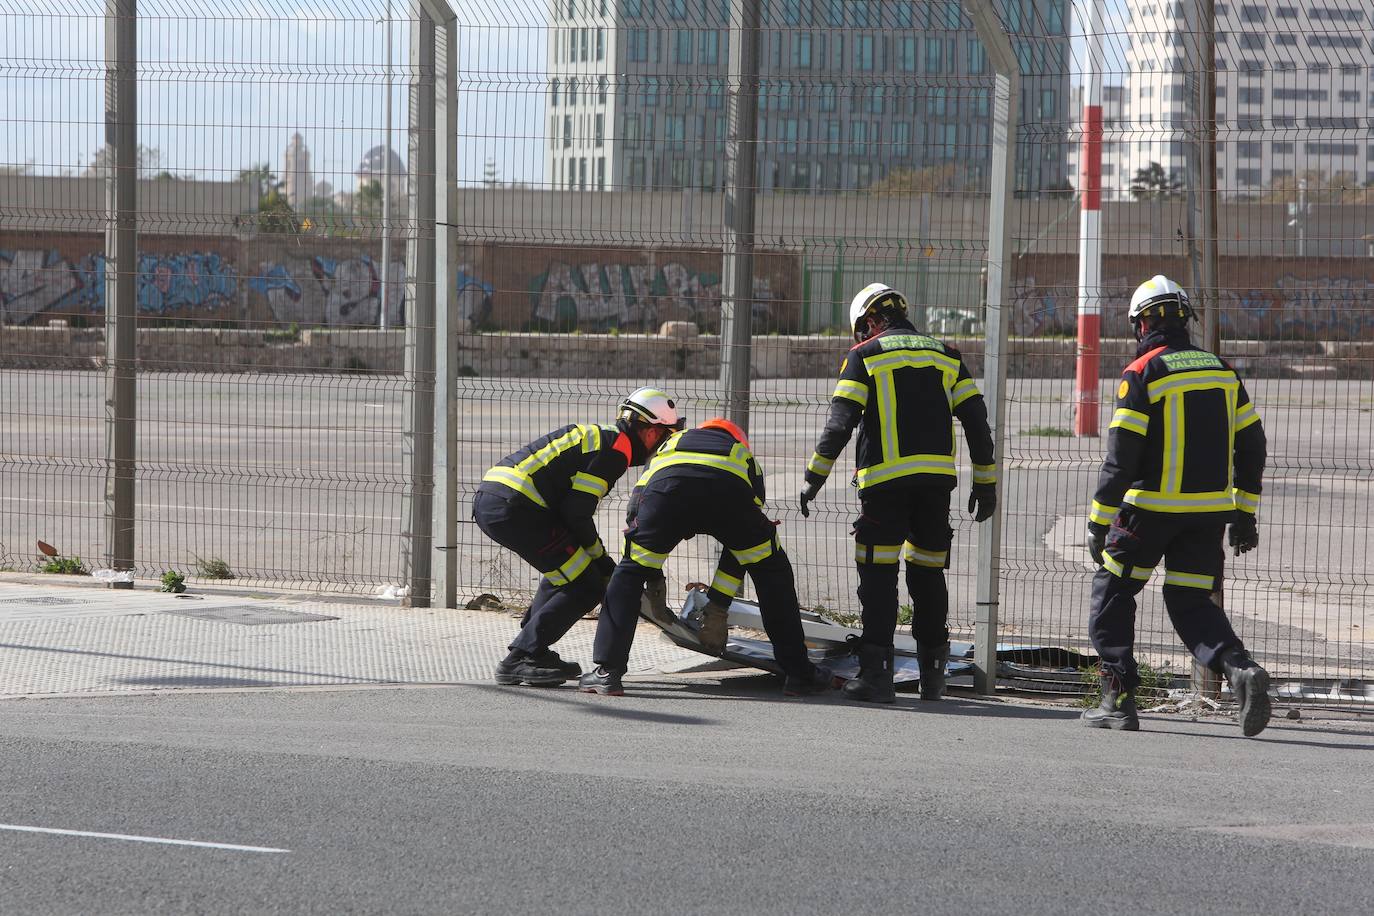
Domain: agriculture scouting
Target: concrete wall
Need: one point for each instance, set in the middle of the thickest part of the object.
(574, 356)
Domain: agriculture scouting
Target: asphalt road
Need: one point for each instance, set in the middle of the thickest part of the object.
(702, 797)
(299, 480)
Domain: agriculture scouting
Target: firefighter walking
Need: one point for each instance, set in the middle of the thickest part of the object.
(540, 502)
(1185, 456)
(704, 481)
(903, 390)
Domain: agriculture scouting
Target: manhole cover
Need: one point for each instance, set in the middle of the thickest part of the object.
(49, 600)
(249, 615)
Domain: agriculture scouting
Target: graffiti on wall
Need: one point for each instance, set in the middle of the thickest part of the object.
(639, 297)
(35, 281)
(1290, 307)
(321, 291)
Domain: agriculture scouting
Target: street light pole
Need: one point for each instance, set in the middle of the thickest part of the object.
(386, 185)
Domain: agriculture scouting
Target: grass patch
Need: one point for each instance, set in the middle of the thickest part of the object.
(213, 568)
(1057, 432)
(1154, 686)
(65, 566)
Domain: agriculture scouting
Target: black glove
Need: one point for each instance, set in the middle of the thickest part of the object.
(808, 493)
(1097, 541)
(604, 566)
(1244, 534)
(982, 501)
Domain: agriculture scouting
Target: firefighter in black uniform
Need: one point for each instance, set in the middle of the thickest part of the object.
(906, 389)
(1185, 455)
(703, 481)
(540, 501)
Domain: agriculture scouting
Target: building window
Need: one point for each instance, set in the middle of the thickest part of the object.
(651, 92)
(977, 57)
(1054, 18)
(873, 99)
(572, 90)
(634, 8)
(1286, 12)
(1248, 150)
(1348, 95)
(572, 9)
(1280, 149)
(904, 14)
(863, 52)
(600, 43)
(682, 46)
(567, 131)
(677, 9)
(600, 134)
(553, 92)
(801, 51)
(709, 51)
(715, 93)
(1252, 13)
(1348, 42)
(791, 12)
(1252, 41)
(601, 173)
(1285, 39)
(637, 48)
(901, 140)
(1250, 96)
(935, 54)
(827, 96)
(629, 129)
(601, 86)
(1049, 108)
(835, 12)
(858, 138)
(832, 137)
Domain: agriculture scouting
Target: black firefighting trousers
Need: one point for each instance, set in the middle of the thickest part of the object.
(910, 524)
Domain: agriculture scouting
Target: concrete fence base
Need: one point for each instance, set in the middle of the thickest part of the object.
(606, 355)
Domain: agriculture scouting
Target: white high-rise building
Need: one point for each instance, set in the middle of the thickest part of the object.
(1294, 92)
(295, 172)
(852, 90)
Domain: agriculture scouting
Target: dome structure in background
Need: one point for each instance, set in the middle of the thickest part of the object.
(373, 164)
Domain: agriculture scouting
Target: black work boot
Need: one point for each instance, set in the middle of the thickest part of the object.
(1250, 687)
(534, 671)
(1117, 709)
(819, 679)
(550, 659)
(874, 681)
(932, 660)
(605, 681)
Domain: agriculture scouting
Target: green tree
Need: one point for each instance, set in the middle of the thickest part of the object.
(1153, 183)
(275, 213)
(368, 200)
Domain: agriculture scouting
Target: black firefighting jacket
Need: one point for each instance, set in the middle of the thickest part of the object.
(707, 453)
(1185, 437)
(568, 471)
(907, 389)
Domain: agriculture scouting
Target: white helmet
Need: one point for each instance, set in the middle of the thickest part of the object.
(877, 297)
(1160, 297)
(651, 406)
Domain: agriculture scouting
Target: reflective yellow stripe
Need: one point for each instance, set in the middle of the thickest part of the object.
(590, 483)
(1246, 501)
(985, 473)
(574, 567)
(726, 584)
(549, 452)
(877, 554)
(737, 462)
(963, 390)
(1132, 420)
(905, 467)
(520, 483)
(1114, 567)
(1219, 501)
(1181, 382)
(887, 416)
(644, 556)
(1245, 416)
(754, 554)
(924, 557)
(1171, 475)
(1101, 514)
(913, 359)
(591, 442)
(854, 391)
(820, 465)
(1189, 580)
(597, 550)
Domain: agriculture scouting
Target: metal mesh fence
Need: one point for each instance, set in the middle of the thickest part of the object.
(593, 207)
(268, 429)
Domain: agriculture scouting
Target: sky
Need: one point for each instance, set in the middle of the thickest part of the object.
(217, 95)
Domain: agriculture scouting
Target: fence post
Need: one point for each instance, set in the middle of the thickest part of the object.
(417, 439)
(445, 540)
(741, 176)
(121, 267)
(1003, 166)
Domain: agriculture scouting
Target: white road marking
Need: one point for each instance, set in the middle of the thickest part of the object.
(140, 839)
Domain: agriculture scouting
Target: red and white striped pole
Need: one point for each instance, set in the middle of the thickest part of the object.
(1086, 414)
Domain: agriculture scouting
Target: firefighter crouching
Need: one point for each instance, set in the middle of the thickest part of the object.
(903, 390)
(1185, 456)
(704, 481)
(540, 502)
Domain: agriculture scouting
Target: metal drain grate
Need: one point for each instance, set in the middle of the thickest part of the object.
(250, 615)
(49, 600)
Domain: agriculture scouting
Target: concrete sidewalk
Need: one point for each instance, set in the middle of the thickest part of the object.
(82, 638)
